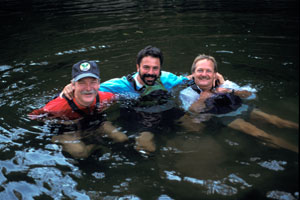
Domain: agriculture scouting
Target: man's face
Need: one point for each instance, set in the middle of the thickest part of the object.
(85, 90)
(149, 70)
(204, 74)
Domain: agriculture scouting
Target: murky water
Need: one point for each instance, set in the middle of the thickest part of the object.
(254, 42)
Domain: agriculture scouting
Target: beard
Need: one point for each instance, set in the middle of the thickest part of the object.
(149, 83)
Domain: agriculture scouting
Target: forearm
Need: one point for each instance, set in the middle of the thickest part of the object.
(242, 93)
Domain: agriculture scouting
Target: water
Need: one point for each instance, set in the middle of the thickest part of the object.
(254, 42)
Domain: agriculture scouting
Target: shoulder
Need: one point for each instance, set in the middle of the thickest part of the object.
(170, 80)
(168, 74)
(115, 85)
(106, 95)
(57, 103)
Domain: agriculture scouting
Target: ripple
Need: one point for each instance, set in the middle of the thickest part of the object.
(4, 67)
(55, 184)
(81, 50)
(273, 165)
(212, 186)
(280, 195)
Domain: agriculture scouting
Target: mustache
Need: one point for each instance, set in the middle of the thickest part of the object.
(88, 92)
(150, 75)
(204, 78)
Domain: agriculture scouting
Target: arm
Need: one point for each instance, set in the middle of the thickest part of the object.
(112, 86)
(67, 91)
(240, 93)
(199, 105)
(243, 93)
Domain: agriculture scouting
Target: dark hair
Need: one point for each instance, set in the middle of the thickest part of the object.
(150, 51)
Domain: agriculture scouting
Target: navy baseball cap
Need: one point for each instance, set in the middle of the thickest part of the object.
(84, 69)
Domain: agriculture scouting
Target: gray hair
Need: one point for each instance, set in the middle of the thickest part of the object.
(204, 57)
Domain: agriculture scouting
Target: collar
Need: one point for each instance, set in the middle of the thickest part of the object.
(196, 88)
(138, 84)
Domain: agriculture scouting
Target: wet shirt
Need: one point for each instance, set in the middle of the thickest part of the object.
(218, 103)
(147, 106)
(189, 95)
(59, 108)
(127, 90)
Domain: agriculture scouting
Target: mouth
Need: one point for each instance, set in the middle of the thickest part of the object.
(88, 94)
(149, 80)
(204, 79)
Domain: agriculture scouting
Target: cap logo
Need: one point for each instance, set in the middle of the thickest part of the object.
(85, 66)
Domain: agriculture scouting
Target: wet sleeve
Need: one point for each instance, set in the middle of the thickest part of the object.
(171, 80)
(232, 85)
(188, 97)
(116, 85)
(55, 108)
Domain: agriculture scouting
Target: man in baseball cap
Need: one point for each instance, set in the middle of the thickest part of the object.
(85, 108)
(85, 82)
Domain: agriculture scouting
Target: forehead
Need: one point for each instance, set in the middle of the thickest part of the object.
(205, 63)
(87, 79)
(151, 61)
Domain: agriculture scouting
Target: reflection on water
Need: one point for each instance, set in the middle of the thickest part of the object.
(254, 42)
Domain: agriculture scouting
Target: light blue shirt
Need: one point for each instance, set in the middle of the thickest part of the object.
(126, 89)
(188, 96)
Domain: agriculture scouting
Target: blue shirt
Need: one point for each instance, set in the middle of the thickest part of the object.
(126, 89)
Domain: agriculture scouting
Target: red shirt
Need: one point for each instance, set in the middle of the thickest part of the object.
(59, 107)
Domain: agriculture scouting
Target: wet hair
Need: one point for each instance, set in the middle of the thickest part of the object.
(150, 51)
(204, 57)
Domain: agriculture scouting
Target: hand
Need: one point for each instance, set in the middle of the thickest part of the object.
(190, 77)
(218, 78)
(223, 90)
(67, 91)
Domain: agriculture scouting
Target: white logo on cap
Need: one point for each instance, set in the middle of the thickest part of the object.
(85, 66)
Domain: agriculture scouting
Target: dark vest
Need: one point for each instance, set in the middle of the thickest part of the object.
(90, 121)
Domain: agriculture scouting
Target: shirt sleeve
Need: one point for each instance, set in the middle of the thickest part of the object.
(187, 97)
(116, 85)
(170, 80)
(56, 108)
(232, 85)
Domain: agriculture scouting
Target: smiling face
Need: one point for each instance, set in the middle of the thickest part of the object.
(149, 70)
(85, 90)
(204, 74)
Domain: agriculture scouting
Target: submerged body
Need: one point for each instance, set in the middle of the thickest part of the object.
(205, 100)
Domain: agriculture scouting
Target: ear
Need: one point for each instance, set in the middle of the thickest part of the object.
(215, 79)
(137, 67)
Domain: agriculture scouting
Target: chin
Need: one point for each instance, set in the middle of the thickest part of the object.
(150, 84)
(88, 101)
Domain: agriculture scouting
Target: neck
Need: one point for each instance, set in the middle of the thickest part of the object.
(139, 79)
(206, 88)
(83, 104)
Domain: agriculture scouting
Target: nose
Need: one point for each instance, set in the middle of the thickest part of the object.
(151, 71)
(88, 86)
(204, 73)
